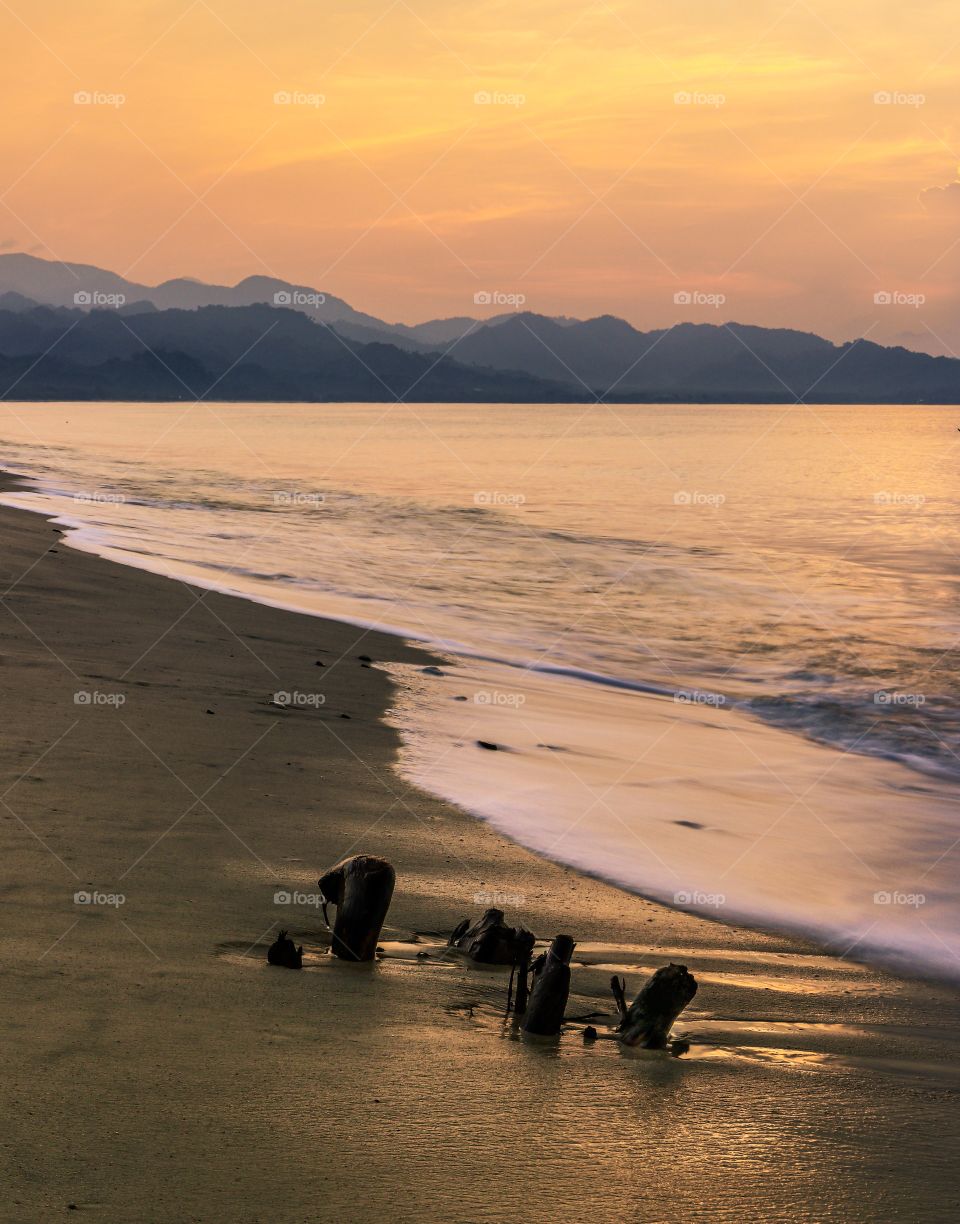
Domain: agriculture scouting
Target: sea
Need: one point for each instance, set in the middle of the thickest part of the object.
(714, 650)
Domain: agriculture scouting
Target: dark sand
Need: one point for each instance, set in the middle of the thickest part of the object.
(157, 1069)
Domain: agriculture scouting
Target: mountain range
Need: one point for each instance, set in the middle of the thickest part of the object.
(74, 331)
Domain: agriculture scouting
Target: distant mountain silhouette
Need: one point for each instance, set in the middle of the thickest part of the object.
(95, 335)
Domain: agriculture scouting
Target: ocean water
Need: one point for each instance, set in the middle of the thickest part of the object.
(716, 645)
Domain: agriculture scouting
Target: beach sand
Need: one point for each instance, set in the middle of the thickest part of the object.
(157, 1069)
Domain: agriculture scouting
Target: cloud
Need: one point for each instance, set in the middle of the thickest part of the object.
(942, 201)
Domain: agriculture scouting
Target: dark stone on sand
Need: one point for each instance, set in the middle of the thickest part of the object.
(211, 711)
(285, 953)
(460, 698)
(319, 664)
(432, 671)
(489, 747)
(589, 1034)
(689, 824)
(364, 658)
(344, 715)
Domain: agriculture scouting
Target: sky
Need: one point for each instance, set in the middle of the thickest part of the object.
(786, 164)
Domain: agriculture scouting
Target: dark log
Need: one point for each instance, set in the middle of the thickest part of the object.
(361, 888)
(650, 1016)
(490, 941)
(551, 988)
(284, 952)
(619, 986)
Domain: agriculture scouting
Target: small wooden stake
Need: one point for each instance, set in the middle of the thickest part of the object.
(551, 988)
(283, 951)
(361, 888)
(650, 1016)
(619, 986)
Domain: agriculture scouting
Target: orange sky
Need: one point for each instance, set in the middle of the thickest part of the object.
(582, 183)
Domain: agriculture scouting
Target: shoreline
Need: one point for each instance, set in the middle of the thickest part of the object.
(158, 1069)
(802, 750)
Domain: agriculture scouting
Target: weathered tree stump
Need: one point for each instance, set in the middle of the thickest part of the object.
(361, 888)
(551, 988)
(650, 1016)
(489, 941)
(284, 952)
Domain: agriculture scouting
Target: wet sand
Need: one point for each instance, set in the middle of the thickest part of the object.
(157, 1069)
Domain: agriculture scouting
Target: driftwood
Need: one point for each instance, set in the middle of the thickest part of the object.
(551, 988)
(619, 987)
(649, 1017)
(361, 888)
(489, 941)
(284, 952)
